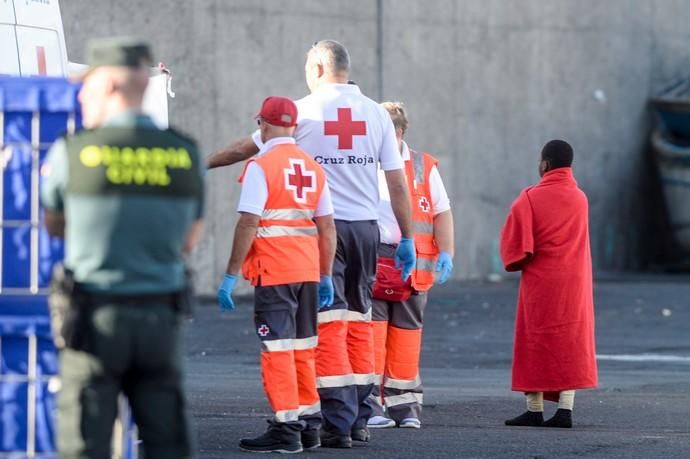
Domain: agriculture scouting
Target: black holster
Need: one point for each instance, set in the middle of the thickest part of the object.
(69, 310)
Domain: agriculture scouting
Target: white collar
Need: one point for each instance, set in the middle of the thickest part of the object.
(275, 141)
(344, 88)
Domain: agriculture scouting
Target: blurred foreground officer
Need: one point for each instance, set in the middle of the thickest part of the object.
(398, 307)
(546, 236)
(128, 198)
(284, 243)
(350, 135)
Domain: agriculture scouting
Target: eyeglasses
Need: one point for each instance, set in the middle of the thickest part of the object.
(258, 121)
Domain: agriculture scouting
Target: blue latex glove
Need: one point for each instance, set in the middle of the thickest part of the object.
(325, 291)
(225, 292)
(444, 266)
(405, 257)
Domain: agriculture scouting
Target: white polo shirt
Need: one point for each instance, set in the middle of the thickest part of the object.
(388, 225)
(255, 189)
(350, 136)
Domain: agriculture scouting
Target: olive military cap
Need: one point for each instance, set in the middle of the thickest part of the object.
(118, 52)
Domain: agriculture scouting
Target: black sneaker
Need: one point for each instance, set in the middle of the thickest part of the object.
(279, 438)
(334, 440)
(528, 418)
(563, 419)
(360, 434)
(310, 439)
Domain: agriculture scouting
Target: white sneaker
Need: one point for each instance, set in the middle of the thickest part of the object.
(410, 423)
(380, 422)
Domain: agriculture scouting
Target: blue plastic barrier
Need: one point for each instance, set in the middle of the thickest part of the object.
(28, 372)
(33, 113)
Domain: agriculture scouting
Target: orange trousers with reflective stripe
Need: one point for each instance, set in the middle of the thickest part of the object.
(397, 347)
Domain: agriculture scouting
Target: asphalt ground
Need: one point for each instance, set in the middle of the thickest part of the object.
(640, 410)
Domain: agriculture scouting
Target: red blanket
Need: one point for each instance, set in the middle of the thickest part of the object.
(546, 236)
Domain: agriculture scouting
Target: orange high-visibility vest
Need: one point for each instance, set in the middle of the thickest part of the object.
(418, 168)
(286, 248)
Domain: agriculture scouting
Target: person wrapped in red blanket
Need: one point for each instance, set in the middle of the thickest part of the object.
(546, 236)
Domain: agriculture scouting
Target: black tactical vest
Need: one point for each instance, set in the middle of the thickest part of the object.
(137, 160)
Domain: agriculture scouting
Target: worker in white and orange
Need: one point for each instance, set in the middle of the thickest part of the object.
(286, 215)
(397, 398)
(351, 136)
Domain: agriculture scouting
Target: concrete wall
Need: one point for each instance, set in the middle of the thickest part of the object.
(486, 84)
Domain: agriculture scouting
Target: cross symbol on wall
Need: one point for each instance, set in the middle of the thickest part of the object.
(263, 330)
(299, 180)
(424, 204)
(345, 128)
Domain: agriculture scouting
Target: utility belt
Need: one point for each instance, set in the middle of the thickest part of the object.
(71, 306)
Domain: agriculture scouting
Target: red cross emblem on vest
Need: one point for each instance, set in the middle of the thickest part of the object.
(263, 330)
(345, 128)
(424, 204)
(299, 180)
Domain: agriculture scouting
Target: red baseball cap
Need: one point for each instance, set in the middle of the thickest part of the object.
(278, 111)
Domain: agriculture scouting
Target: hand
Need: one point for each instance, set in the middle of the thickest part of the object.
(325, 291)
(444, 265)
(225, 292)
(405, 257)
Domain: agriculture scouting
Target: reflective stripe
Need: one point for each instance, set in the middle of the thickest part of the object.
(305, 410)
(343, 314)
(418, 164)
(402, 384)
(277, 231)
(345, 380)
(378, 380)
(287, 214)
(426, 264)
(334, 381)
(363, 379)
(302, 344)
(287, 415)
(423, 227)
(289, 344)
(410, 397)
(274, 345)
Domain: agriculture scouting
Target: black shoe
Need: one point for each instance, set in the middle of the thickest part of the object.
(310, 439)
(279, 438)
(361, 434)
(528, 418)
(562, 418)
(334, 440)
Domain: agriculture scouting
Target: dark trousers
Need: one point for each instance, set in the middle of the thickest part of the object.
(344, 356)
(131, 349)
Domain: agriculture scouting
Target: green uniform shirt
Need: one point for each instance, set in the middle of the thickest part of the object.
(129, 192)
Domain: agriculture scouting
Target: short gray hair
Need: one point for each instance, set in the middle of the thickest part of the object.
(332, 55)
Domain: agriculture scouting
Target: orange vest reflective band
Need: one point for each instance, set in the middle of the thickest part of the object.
(418, 168)
(286, 248)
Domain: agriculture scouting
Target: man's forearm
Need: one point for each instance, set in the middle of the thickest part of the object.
(245, 232)
(444, 232)
(239, 151)
(400, 201)
(327, 243)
